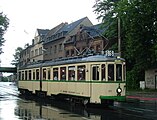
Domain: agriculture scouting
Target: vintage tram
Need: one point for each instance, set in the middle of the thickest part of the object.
(87, 79)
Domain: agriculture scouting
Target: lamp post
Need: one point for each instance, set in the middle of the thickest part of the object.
(119, 38)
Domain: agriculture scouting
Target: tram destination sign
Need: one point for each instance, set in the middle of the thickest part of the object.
(109, 53)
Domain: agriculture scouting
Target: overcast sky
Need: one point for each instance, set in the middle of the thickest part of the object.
(28, 15)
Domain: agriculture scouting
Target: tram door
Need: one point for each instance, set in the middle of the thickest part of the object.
(95, 76)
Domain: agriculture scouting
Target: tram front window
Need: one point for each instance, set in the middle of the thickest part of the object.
(118, 72)
(95, 73)
(111, 72)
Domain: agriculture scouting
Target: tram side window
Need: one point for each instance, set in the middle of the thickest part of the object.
(55, 73)
(33, 75)
(44, 74)
(37, 74)
(71, 73)
(25, 75)
(119, 72)
(103, 72)
(30, 74)
(95, 74)
(63, 73)
(49, 73)
(81, 72)
(22, 75)
(111, 72)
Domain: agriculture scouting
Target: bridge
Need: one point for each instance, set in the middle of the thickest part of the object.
(8, 69)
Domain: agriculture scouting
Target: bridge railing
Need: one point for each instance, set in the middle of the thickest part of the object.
(8, 69)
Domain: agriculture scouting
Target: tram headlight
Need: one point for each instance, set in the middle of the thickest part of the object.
(119, 90)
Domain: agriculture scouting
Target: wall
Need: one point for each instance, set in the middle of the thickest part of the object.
(150, 78)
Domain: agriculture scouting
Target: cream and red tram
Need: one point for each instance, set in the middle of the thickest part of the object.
(90, 79)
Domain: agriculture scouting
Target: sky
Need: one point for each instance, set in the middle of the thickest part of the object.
(27, 15)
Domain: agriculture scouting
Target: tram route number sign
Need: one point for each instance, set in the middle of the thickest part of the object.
(109, 53)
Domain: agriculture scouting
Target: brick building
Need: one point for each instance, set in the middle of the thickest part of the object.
(54, 42)
(64, 40)
(87, 40)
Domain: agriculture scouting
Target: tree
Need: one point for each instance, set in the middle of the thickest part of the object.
(16, 56)
(4, 79)
(139, 32)
(26, 45)
(4, 23)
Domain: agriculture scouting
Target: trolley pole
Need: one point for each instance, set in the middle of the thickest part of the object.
(119, 38)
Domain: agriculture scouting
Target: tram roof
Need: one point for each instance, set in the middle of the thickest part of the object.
(73, 60)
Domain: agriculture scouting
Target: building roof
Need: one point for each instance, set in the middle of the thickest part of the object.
(92, 32)
(95, 30)
(71, 26)
(56, 29)
(64, 30)
(42, 31)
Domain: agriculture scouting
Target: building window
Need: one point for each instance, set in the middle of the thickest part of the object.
(45, 51)
(67, 53)
(60, 47)
(98, 49)
(72, 53)
(51, 50)
(36, 52)
(32, 53)
(40, 50)
(55, 49)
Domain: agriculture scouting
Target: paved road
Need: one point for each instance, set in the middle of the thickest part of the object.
(13, 107)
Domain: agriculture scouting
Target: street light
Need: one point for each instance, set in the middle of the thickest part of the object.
(119, 38)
